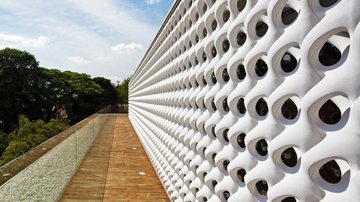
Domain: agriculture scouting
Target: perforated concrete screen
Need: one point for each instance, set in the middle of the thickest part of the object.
(253, 100)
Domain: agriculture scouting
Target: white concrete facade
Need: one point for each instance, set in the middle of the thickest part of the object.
(253, 100)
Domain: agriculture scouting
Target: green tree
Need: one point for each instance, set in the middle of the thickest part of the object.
(122, 90)
(32, 133)
(40, 94)
(84, 95)
(29, 135)
(20, 84)
(56, 92)
(55, 126)
(15, 149)
(3, 142)
(109, 94)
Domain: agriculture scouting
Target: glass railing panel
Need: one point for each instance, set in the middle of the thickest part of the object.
(47, 177)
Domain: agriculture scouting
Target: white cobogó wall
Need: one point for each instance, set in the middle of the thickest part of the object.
(253, 100)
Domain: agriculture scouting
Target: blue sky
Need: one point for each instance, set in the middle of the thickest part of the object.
(99, 37)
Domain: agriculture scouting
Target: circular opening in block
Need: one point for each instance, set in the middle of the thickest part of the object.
(262, 187)
(262, 147)
(241, 106)
(331, 172)
(225, 105)
(213, 183)
(241, 175)
(288, 62)
(226, 45)
(289, 199)
(330, 113)
(225, 135)
(261, 28)
(213, 105)
(240, 72)
(329, 54)
(204, 32)
(203, 150)
(204, 80)
(241, 140)
(226, 15)
(261, 107)
(214, 25)
(196, 16)
(289, 109)
(213, 52)
(241, 38)
(213, 157)
(213, 131)
(213, 78)
(241, 5)
(204, 57)
(226, 195)
(327, 3)
(225, 75)
(289, 157)
(288, 15)
(204, 8)
(225, 164)
(204, 174)
(261, 68)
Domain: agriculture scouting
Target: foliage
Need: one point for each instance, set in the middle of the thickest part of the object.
(33, 100)
(82, 84)
(109, 94)
(29, 135)
(84, 95)
(56, 92)
(40, 93)
(3, 141)
(20, 83)
(15, 149)
(122, 90)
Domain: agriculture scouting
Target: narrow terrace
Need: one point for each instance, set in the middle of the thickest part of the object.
(116, 168)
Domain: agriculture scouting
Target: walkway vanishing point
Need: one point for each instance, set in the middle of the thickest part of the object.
(116, 168)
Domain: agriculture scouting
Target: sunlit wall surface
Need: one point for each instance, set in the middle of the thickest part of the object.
(253, 100)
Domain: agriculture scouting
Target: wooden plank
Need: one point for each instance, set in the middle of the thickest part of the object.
(113, 168)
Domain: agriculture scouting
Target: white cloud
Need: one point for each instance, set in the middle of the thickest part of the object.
(84, 37)
(128, 22)
(152, 1)
(126, 48)
(16, 40)
(78, 60)
(103, 58)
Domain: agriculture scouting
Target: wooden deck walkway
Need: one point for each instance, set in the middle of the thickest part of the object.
(116, 168)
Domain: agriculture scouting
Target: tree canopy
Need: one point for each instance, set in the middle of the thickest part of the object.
(20, 84)
(28, 135)
(122, 91)
(37, 103)
(40, 93)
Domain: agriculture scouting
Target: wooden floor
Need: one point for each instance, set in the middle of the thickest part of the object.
(116, 168)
